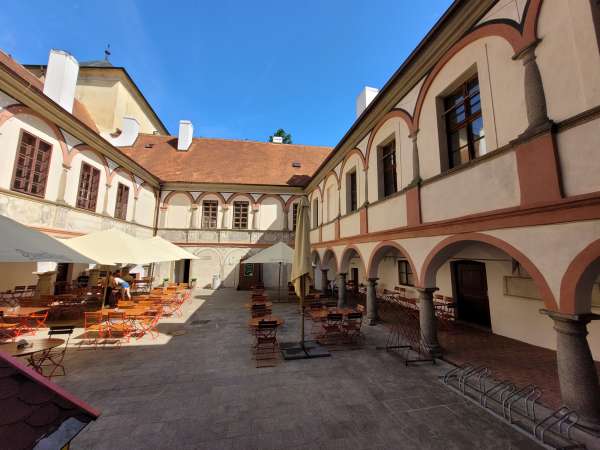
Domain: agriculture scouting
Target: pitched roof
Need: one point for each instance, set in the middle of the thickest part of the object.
(34, 408)
(227, 161)
(79, 110)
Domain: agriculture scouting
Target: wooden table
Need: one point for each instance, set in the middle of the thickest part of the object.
(22, 311)
(38, 345)
(129, 312)
(255, 320)
(321, 314)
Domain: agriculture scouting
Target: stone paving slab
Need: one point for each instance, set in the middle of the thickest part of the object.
(201, 390)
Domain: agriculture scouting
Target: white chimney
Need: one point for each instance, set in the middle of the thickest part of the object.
(61, 78)
(131, 128)
(277, 140)
(365, 97)
(186, 132)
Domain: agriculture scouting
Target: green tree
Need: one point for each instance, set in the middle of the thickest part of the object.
(287, 137)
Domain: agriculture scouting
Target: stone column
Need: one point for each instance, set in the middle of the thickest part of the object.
(415, 160)
(105, 204)
(286, 224)
(194, 216)
(341, 290)
(62, 184)
(135, 200)
(372, 316)
(224, 217)
(94, 277)
(427, 321)
(324, 281)
(535, 99)
(579, 387)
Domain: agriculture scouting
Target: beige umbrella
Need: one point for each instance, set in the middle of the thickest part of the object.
(168, 248)
(19, 243)
(279, 253)
(301, 265)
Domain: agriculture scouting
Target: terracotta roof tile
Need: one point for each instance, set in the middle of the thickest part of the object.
(227, 161)
(79, 110)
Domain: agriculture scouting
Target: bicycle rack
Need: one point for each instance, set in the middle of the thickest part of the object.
(515, 405)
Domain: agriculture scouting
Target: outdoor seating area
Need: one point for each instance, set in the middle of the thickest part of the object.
(263, 326)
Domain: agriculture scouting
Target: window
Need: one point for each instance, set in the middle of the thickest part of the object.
(87, 194)
(351, 193)
(240, 215)
(32, 165)
(315, 213)
(387, 167)
(121, 204)
(405, 275)
(210, 209)
(294, 216)
(464, 124)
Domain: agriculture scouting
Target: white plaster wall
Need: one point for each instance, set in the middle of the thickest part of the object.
(17, 274)
(146, 205)
(178, 213)
(270, 215)
(489, 185)
(353, 163)
(329, 232)
(74, 174)
(578, 150)
(390, 213)
(350, 225)
(10, 133)
(504, 116)
(568, 57)
(330, 200)
(314, 235)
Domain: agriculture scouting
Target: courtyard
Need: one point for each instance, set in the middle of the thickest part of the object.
(197, 386)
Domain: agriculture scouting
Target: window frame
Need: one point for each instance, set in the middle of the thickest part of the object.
(386, 154)
(351, 191)
(315, 213)
(121, 206)
(469, 118)
(212, 203)
(28, 191)
(240, 220)
(294, 215)
(88, 205)
(405, 274)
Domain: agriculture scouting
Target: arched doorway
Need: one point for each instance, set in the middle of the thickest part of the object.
(353, 265)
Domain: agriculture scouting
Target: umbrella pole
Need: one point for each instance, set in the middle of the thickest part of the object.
(302, 285)
(279, 284)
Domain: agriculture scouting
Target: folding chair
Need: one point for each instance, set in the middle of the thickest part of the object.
(119, 324)
(352, 327)
(34, 322)
(332, 329)
(93, 322)
(260, 310)
(52, 359)
(147, 324)
(265, 344)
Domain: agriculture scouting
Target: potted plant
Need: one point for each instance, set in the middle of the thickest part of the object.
(192, 283)
(165, 282)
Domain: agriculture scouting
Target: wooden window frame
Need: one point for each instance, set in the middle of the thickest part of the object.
(121, 203)
(241, 216)
(351, 191)
(89, 201)
(30, 175)
(315, 212)
(405, 275)
(387, 166)
(208, 215)
(294, 215)
(467, 123)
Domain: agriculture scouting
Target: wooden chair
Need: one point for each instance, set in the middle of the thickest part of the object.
(52, 360)
(93, 323)
(265, 343)
(351, 327)
(332, 328)
(117, 323)
(147, 324)
(259, 310)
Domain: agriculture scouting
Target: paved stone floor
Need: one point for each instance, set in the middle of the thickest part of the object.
(201, 390)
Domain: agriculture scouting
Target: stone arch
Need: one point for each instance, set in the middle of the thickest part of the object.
(380, 251)
(331, 174)
(241, 194)
(394, 113)
(290, 201)
(122, 170)
(173, 193)
(315, 258)
(443, 250)
(348, 254)
(578, 280)
(354, 151)
(80, 149)
(204, 194)
(329, 256)
(275, 196)
(17, 109)
(502, 29)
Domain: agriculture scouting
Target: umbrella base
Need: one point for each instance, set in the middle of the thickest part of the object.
(295, 350)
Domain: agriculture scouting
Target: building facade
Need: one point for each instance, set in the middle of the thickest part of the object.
(472, 174)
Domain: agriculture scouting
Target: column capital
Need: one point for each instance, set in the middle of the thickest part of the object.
(66, 166)
(194, 206)
(428, 290)
(343, 274)
(373, 280)
(566, 317)
(528, 52)
(324, 269)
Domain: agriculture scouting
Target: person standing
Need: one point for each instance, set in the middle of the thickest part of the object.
(123, 286)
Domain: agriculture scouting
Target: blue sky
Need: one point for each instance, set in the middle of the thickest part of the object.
(237, 69)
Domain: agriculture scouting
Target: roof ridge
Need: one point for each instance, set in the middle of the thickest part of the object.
(251, 141)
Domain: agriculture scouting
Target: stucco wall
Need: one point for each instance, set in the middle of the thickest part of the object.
(329, 232)
(350, 225)
(390, 213)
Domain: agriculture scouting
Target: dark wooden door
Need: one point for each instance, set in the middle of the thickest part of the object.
(354, 278)
(470, 284)
(186, 270)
